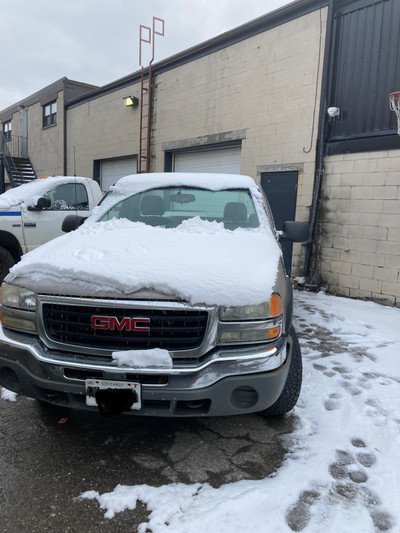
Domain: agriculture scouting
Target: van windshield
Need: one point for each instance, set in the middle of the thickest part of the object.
(170, 206)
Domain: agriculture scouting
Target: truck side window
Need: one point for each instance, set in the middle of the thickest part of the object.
(68, 197)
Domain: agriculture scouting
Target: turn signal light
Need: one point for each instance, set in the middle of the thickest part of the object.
(275, 305)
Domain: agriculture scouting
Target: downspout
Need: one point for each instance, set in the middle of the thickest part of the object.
(321, 141)
(64, 129)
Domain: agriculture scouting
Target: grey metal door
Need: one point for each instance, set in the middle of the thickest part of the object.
(281, 190)
(24, 133)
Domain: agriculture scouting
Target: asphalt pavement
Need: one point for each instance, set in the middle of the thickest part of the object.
(49, 456)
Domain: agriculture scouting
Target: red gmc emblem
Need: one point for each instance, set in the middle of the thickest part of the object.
(112, 323)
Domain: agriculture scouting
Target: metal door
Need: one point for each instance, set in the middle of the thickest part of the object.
(24, 133)
(281, 190)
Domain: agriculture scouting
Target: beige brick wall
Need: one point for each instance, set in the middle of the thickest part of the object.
(264, 85)
(358, 246)
(46, 144)
(100, 129)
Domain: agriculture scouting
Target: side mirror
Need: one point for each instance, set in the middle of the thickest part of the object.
(71, 223)
(295, 231)
(42, 203)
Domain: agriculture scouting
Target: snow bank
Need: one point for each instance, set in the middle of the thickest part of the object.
(29, 193)
(8, 395)
(199, 262)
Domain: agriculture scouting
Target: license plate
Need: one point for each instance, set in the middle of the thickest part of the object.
(95, 385)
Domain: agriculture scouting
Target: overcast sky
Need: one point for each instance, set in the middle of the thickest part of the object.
(96, 41)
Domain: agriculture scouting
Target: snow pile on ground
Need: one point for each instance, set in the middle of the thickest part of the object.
(155, 358)
(341, 473)
(199, 261)
(29, 193)
(8, 395)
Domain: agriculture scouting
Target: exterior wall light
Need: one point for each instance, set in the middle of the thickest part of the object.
(130, 101)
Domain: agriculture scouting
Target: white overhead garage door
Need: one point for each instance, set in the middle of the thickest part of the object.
(221, 161)
(113, 169)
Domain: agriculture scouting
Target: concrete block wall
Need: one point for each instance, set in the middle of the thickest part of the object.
(102, 128)
(358, 233)
(45, 145)
(264, 85)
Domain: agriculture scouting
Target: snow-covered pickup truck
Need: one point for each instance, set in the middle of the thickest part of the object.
(170, 300)
(33, 213)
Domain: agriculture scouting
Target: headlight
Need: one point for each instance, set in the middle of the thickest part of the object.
(18, 297)
(269, 309)
(250, 335)
(18, 308)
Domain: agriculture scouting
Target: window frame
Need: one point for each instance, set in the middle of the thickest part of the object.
(50, 114)
(7, 130)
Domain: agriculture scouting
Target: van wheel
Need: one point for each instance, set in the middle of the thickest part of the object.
(6, 262)
(291, 391)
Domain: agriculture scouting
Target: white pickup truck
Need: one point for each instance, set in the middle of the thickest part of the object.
(33, 213)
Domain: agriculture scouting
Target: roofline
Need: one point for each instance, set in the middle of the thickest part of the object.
(35, 97)
(261, 24)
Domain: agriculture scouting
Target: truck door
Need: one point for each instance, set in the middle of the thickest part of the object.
(43, 225)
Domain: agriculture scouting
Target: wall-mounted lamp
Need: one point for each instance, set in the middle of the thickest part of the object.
(130, 101)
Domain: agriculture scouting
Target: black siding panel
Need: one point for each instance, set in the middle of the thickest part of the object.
(365, 68)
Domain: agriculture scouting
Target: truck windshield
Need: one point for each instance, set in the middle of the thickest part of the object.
(170, 206)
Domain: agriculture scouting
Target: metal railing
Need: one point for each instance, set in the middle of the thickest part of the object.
(6, 155)
(12, 146)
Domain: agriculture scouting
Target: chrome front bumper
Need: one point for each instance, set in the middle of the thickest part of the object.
(29, 368)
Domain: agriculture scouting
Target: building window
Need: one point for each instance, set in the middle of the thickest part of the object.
(7, 130)
(50, 114)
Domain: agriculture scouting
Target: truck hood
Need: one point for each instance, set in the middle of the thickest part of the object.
(198, 262)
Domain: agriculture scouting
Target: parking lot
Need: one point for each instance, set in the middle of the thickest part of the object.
(336, 444)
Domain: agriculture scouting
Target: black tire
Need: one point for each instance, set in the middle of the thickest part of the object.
(6, 262)
(291, 391)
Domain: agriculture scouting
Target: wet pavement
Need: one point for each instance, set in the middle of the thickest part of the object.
(46, 462)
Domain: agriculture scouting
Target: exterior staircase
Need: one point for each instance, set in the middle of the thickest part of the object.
(25, 170)
(19, 169)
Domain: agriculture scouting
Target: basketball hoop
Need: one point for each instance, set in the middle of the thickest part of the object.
(394, 99)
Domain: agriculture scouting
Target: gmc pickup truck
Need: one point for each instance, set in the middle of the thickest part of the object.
(170, 300)
(32, 214)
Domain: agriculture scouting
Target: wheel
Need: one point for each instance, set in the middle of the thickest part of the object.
(291, 391)
(6, 262)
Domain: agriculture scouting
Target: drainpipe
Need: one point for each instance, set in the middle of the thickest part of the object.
(321, 142)
(64, 129)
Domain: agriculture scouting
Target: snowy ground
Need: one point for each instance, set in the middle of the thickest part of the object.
(342, 468)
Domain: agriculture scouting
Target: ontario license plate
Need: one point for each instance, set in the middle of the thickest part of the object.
(95, 386)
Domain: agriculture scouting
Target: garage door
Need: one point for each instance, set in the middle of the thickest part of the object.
(223, 161)
(113, 169)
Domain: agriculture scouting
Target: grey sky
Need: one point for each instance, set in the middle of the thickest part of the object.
(96, 41)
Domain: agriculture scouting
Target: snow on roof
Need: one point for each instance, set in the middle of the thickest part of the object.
(214, 182)
(135, 183)
(28, 193)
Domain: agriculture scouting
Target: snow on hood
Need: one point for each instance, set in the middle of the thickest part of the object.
(199, 262)
(29, 193)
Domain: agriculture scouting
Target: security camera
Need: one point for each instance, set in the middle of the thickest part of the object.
(333, 111)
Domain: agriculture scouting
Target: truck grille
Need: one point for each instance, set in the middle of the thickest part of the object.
(170, 329)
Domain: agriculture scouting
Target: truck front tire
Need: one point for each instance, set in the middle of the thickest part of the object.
(291, 391)
(6, 262)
